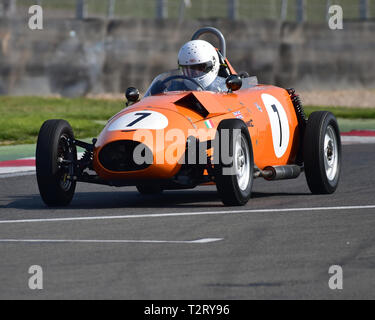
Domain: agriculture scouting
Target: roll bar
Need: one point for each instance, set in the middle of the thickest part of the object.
(215, 32)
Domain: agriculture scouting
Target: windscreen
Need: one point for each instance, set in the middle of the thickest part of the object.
(173, 80)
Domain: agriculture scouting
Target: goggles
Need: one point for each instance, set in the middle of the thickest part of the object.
(197, 70)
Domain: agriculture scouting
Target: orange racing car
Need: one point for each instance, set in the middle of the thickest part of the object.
(201, 124)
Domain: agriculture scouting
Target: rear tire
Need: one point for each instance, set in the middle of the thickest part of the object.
(54, 146)
(147, 190)
(234, 180)
(322, 153)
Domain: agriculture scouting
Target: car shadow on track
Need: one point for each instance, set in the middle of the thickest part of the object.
(112, 200)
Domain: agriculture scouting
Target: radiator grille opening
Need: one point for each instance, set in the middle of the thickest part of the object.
(119, 156)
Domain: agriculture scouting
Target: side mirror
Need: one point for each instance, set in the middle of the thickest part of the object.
(132, 94)
(233, 82)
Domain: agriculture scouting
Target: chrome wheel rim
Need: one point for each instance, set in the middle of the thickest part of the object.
(242, 162)
(331, 156)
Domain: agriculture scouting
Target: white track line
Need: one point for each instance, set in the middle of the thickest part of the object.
(199, 241)
(17, 174)
(179, 214)
(15, 170)
(357, 140)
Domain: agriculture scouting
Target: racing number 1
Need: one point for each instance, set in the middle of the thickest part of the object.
(274, 108)
(279, 124)
(142, 115)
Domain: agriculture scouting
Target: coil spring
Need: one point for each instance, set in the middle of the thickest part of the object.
(301, 117)
(300, 112)
(87, 156)
(86, 159)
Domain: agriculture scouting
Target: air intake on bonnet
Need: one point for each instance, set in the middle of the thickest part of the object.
(120, 156)
(191, 102)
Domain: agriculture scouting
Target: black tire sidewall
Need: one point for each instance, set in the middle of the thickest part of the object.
(47, 170)
(331, 121)
(314, 159)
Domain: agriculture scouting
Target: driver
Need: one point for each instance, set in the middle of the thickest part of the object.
(199, 60)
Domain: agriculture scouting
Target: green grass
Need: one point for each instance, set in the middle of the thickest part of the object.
(356, 124)
(22, 117)
(344, 112)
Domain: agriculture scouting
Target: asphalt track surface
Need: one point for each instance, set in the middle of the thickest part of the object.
(143, 247)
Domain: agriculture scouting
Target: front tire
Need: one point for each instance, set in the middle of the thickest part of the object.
(55, 160)
(322, 153)
(234, 180)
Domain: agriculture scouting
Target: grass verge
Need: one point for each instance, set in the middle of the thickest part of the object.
(22, 117)
(344, 112)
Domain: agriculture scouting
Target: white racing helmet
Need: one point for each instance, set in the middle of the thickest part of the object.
(199, 60)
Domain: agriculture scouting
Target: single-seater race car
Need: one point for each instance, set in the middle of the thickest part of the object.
(180, 135)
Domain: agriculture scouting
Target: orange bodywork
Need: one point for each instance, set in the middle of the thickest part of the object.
(254, 106)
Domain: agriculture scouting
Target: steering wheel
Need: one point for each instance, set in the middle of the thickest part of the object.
(177, 76)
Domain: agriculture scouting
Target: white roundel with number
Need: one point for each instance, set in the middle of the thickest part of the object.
(279, 124)
(142, 119)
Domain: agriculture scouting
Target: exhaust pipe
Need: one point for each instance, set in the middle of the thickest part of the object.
(279, 172)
